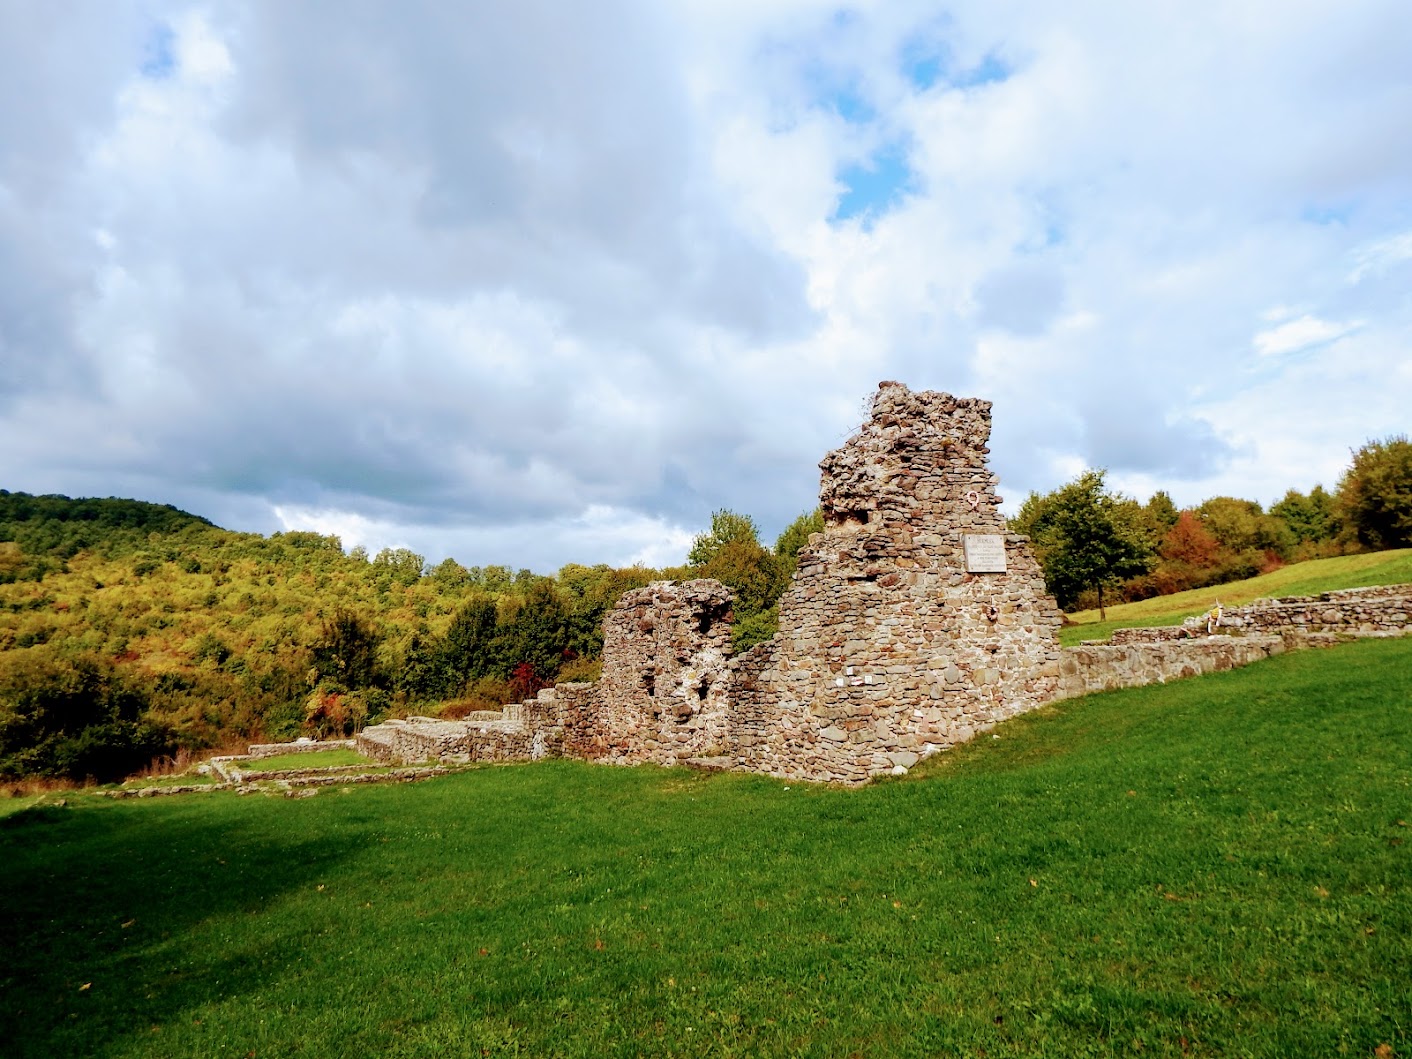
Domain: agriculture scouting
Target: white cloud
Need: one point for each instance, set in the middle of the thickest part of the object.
(1379, 255)
(536, 284)
(1301, 333)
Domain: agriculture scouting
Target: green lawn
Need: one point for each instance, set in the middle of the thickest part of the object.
(1299, 579)
(1216, 867)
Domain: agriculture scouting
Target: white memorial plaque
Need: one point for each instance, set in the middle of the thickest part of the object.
(985, 553)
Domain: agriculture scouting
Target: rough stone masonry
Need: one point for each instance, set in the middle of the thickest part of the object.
(914, 622)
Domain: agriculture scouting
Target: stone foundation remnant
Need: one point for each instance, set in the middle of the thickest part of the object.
(914, 622)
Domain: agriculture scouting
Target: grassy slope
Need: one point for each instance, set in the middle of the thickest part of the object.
(1214, 867)
(1298, 579)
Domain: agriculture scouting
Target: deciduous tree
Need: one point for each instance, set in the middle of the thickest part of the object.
(1375, 494)
(1085, 536)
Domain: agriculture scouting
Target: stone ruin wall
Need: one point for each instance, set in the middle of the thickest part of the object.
(665, 691)
(889, 648)
(1103, 667)
(1382, 610)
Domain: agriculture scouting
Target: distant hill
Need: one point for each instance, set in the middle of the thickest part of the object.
(129, 629)
(62, 527)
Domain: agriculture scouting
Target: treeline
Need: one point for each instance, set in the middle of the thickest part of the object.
(1100, 547)
(129, 630)
(132, 630)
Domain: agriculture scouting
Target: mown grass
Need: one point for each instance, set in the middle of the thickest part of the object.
(1299, 579)
(310, 759)
(1215, 867)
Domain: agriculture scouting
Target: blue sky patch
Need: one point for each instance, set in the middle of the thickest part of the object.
(924, 61)
(159, 53)
(872, 187)
(990, 70)
(850, 106)
(926, 64)
(1328, 213)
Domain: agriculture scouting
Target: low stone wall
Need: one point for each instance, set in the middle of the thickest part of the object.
(1103, 667)
(1154, 634)
(395, 741)
(1383, 610)
(299, 746)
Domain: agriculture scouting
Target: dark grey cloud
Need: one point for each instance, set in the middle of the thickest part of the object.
(555, 141)
(57, 68)
(1138, 436)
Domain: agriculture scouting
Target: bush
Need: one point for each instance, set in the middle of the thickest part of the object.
(73, 717)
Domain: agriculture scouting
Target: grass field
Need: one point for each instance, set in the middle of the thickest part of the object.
(1217, 867)
(1298, 579)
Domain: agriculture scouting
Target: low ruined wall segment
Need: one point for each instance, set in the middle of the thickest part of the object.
(1383, 610)
(1104, 667)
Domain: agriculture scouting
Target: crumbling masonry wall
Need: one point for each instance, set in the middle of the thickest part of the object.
(1382, 610)
(664, 694)
(891, 645)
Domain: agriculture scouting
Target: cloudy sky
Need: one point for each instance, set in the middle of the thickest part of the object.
(541, 282)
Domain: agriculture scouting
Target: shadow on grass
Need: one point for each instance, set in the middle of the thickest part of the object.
(112, 914)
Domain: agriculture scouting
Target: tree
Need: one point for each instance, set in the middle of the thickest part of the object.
(537, 634)
(733, 555)
(727, 527)
(347, 650)
(75, 717)
(1243, 526)
(1375, 494)
(404, 566)
(468, 648)
(796, 536)
(1190, 542)
(1159, 515)
(1311, 518)
(1085, 536)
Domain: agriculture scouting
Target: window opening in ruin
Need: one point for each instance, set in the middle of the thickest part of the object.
(649, 683)
(702, 690)
(858, 517)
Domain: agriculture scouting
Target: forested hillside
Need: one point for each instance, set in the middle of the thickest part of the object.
(131, 630)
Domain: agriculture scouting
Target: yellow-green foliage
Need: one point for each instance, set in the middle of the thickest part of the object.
(226, 635)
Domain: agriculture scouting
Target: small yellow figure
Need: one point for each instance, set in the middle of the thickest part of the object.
(1213, 618)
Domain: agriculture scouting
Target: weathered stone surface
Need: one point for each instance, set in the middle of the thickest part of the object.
(1103, 667)
(883, 618)
(1379, 611)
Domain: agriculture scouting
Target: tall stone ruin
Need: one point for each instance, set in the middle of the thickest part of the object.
(914, 620)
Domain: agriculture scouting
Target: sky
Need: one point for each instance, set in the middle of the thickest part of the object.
(540, 283)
